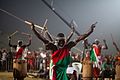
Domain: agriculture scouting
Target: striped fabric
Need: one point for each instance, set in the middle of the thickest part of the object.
(61, 59)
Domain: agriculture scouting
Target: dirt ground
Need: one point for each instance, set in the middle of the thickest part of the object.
(9, 76)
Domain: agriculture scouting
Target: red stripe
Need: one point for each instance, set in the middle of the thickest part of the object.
(19, 53)
(97, 50)
(60, 54)
(54, 75)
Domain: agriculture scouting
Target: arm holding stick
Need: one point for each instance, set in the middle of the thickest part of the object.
(105, 45)
(115, 45)
(38, 35)
(82, 37)
(29, 23)
(30, 38)
(9, 38)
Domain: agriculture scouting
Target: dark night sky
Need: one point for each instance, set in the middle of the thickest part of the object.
(84, 12)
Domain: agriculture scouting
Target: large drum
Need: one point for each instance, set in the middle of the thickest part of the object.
(20, 68)
(87, 70)
(117, 76)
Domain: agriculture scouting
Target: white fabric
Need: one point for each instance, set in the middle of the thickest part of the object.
(70, 70)
(78, 67)
(24, 54)
(4, 54)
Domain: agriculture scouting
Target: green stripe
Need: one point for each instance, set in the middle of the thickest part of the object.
(61, 67)
(92, 56)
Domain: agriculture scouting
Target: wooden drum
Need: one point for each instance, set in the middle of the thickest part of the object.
(87, 70)
(20, 68)
(117, 76)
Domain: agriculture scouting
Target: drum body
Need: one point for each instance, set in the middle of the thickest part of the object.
(20, 68)
(117, 76)
(87, 73)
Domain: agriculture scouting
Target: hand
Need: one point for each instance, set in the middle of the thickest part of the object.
(30, 23)
(93, 25)
(32, 26)
(9, 37)
(45, 28)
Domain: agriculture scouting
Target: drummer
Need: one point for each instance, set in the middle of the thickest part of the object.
(20, 48)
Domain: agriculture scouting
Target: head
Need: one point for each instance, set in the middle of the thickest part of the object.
(60, 39)
(20, 42)
(97, 41)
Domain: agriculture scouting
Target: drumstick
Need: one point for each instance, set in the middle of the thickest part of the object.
(20, 19)
(45, 22)
(29, 23)
(13, 33)
(25, 33)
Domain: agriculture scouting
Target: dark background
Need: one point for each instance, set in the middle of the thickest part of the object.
(84, 12)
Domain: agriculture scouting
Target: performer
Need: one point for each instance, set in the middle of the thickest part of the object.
(107, 68)
(20, 48)
(95, 55)
(116, 62)
(60, 53)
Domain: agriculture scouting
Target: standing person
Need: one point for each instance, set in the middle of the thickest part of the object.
(9, 61)
(107, 68)
(31, 61)
(95, 56)
(18, 73)
(4, 60)
(0, 59)
(60, 53)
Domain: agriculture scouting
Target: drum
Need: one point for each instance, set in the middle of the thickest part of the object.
(117, 76)
(87, 70)
(20, 68)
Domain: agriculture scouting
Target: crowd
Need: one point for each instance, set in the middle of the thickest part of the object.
(57, 61)
(40, 61)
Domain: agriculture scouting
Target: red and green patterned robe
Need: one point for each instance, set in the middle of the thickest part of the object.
(61, 59)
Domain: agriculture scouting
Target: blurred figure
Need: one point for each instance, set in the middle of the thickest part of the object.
(107, 68)
(0, 59)
(4, 60)
(31, 61)
(21, 49)
(95, 56)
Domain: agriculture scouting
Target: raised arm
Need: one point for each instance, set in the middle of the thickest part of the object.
(116, 47)
(82, 37)
(105, 45)
(45, 41)
(29, 43)
(9, 42)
